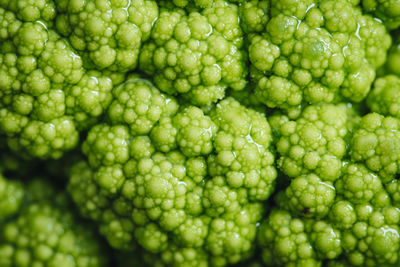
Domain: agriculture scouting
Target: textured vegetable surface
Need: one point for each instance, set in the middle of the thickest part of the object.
(199, 133)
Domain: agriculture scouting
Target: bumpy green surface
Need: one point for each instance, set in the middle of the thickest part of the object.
(45, 231)
(194, 199)
(377, 143)
(310, 197)
(313, 51)
(196, 54)
(385, 96)
(108, 33)
(314, 142)
(46, 94)
(386, 10)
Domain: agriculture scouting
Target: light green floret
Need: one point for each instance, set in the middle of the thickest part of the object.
(316, 51)
(109, 33)
(37, 72)
(94, 203)
(190, 130)
(385, 96)
(308, 196)
(88, 99)
(386, 10)
(138, 104)
(242, 149)
(11, 196)
(46, 139)
(47, 233)
(184, 256)
(254, 15)
(358, 184)
(393, 58)
(377, 143)
(314, 142)
(196, 54)
(374, 238)
(325, 239)
(31, 10)
(231, 236)
(107, 145)
(284, 241)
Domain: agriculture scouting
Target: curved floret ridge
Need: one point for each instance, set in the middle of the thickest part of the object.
(108, 33)
(314, 142)
(316, 51)
(196, 54)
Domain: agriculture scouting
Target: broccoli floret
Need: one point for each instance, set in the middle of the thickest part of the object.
(109, 34)
(11, 197)
(316, 51)
(196, 54)
(308, 196)
(377, 143)
(45, 231)
(46, 95)
(289, 241)
(358, 184)
(385, 96)
(314, 142)
(31, 10)
(140, 105)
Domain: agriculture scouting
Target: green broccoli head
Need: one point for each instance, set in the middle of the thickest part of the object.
(194, 197)
(108, 34)
(196, 54)
(316, 51)
(308, 196)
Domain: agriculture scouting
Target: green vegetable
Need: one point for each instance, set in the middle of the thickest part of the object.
(313, 51)
(196, 54)
(205, 133)
(43, 231)
(199, 190)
